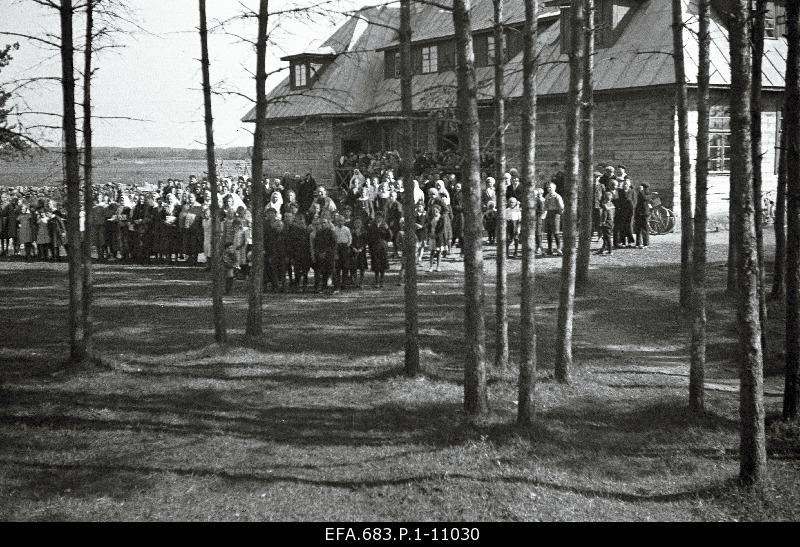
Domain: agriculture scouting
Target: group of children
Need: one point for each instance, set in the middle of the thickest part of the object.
(333, 246)
(37, 231)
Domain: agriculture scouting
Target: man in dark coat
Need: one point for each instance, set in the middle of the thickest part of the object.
(608, 176)
(641, 214)
(306, 192)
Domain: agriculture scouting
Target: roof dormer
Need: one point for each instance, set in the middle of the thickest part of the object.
(305, 68)
(611, 17)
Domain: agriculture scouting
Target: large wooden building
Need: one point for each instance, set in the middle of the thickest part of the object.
(345, 96)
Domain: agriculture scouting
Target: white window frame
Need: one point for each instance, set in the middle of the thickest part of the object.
(300, 75)
(725, 132)
(430, 59)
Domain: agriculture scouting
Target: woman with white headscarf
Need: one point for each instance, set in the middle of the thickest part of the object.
(419, 195)
(276, 202)
(440, 187)
(358, 178)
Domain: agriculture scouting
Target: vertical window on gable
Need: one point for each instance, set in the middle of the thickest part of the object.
(774, 20)
(490, 60)
(397, 65)
(719, 146)
(430, 59)
(565, 30)
(300, 74)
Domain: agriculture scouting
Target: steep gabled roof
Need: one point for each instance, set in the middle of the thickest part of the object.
(347, 86)
(430, 22)
(354, 83)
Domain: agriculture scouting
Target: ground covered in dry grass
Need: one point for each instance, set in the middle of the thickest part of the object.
(315, 422)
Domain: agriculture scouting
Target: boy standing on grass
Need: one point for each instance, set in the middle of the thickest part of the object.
(343, 241)
(231, 264)
(436, 237)
(325, 253)
(358, 258)
(554, 208)
(607, 211)
(379, 236)
(490, 221)
(513, 225)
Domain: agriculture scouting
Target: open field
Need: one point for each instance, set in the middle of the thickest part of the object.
(47, 170)
(315, 422)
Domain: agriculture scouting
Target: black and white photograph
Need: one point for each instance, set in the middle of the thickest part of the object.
(406, 267)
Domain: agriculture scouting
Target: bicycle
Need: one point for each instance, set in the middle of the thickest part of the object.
(661, 220)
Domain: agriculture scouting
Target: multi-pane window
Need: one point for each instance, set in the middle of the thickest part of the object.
(774, 19)
(300, 75)
(397, 66)
(429, 59)
(490, 50)
(719, 146)
(769, 21)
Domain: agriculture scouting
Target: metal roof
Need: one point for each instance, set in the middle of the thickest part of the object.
(642, 57)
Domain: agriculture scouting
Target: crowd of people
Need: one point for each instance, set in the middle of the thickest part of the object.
(306, 229)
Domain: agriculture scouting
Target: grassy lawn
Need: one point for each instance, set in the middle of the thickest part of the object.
(316, 422)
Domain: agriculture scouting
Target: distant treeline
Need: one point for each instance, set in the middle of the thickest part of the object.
(108, 152)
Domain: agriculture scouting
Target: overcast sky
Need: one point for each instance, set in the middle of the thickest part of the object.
(156, 75)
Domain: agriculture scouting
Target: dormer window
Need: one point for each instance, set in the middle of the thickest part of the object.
(306, 68)
(610, 19)
(299, 75)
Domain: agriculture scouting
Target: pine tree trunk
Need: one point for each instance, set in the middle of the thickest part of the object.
(501, 303)
(698, 336)
(88, 191)
(566, 303)
(254, 307)
(791, 396)
(586, 201)
(412, 367)
(682, 106)
(77, 348)
(755, 105)
(527, 361)
(220, 333)
(779, 267)
(753, 458)
(475, 395)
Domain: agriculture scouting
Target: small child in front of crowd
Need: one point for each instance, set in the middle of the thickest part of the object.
(324, 253)
(299, 252)
(344, 240)
(240, 246)
(490, 222)
(231, 263)
(379, 235)
(513, 225)
(607, 211)
(358, 256)
(25, 231)
(436, 237)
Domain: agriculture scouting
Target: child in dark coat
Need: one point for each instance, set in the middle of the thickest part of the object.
(379, 236)
(607, 211)
(231, 263)
(437, 238)
(490, 222)
(324, 253)
(358, 257)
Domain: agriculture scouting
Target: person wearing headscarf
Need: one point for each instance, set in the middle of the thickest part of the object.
(276, 203)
